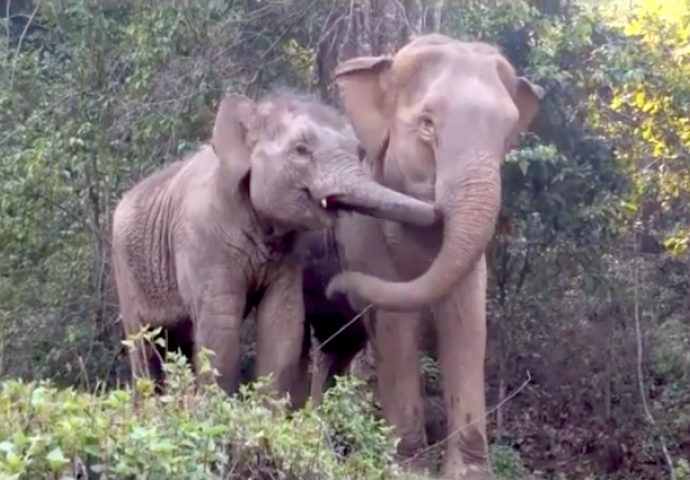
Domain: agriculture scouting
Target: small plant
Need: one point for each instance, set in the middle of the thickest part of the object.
(682, 469)
(507, 463)
(354, 431)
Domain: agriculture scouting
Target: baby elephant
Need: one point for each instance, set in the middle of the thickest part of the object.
(338, 328)
(199, 243)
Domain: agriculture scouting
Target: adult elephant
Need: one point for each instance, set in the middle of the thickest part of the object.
(436, 121)
(199, 243)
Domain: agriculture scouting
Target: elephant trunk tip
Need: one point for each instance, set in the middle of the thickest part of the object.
(393, 296)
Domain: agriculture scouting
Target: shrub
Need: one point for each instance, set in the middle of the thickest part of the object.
(48, 432)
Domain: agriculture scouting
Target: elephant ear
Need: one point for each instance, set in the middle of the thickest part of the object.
(230, 131)
(527, 97)
(363, 83)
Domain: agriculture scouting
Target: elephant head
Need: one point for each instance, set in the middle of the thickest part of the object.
(301, 163)
(451, 110)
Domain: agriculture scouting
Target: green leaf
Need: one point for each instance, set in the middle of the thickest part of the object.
(56, 459)
(14, 461)
(163, 446)
(631, 207)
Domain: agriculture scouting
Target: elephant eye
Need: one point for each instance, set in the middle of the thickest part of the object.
(302, 150)
(426, 123)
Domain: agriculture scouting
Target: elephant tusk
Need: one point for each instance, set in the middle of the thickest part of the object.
(324, 203)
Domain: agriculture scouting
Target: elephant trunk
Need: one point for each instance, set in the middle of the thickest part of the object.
(469, 201)
(368, 197)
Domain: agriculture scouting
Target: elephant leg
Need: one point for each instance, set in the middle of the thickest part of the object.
(461, 327)
(394, 339)
(280, 334)
(217, 328)
(323, 364)
(399, 382)
(300, 393)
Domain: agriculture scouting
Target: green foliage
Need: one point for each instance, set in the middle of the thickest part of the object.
(507, 463)
(647, 109)
(683, 469)
(353, 427)
(53, 433)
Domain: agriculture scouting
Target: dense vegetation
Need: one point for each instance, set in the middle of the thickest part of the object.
(52, 433)
(590, 281)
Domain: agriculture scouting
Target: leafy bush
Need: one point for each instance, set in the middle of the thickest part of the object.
(507, 463)
(48, 432)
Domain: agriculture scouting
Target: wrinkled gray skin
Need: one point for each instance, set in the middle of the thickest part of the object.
(199, 243)
(436, 121)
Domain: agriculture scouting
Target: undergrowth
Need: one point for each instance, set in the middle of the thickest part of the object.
(52, 433)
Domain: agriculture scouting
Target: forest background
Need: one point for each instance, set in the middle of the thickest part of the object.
(589, 292)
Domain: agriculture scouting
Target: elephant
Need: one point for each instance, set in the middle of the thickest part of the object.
(436, 120)
(198, 244)
(338, 328)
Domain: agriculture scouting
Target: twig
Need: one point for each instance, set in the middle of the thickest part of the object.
(640, 370)
(341, 329)
(21, 40)
(7, 25)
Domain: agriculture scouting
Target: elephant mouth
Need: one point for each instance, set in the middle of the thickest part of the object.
(397, 208)
(332, 207)
(337, 203)
(327, 205)
(374, 201)
(332, 204)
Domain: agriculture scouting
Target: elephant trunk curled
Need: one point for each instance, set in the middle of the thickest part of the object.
(469, 202)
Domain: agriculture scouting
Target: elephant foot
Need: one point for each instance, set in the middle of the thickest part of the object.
(419, 463)
(467, 457)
